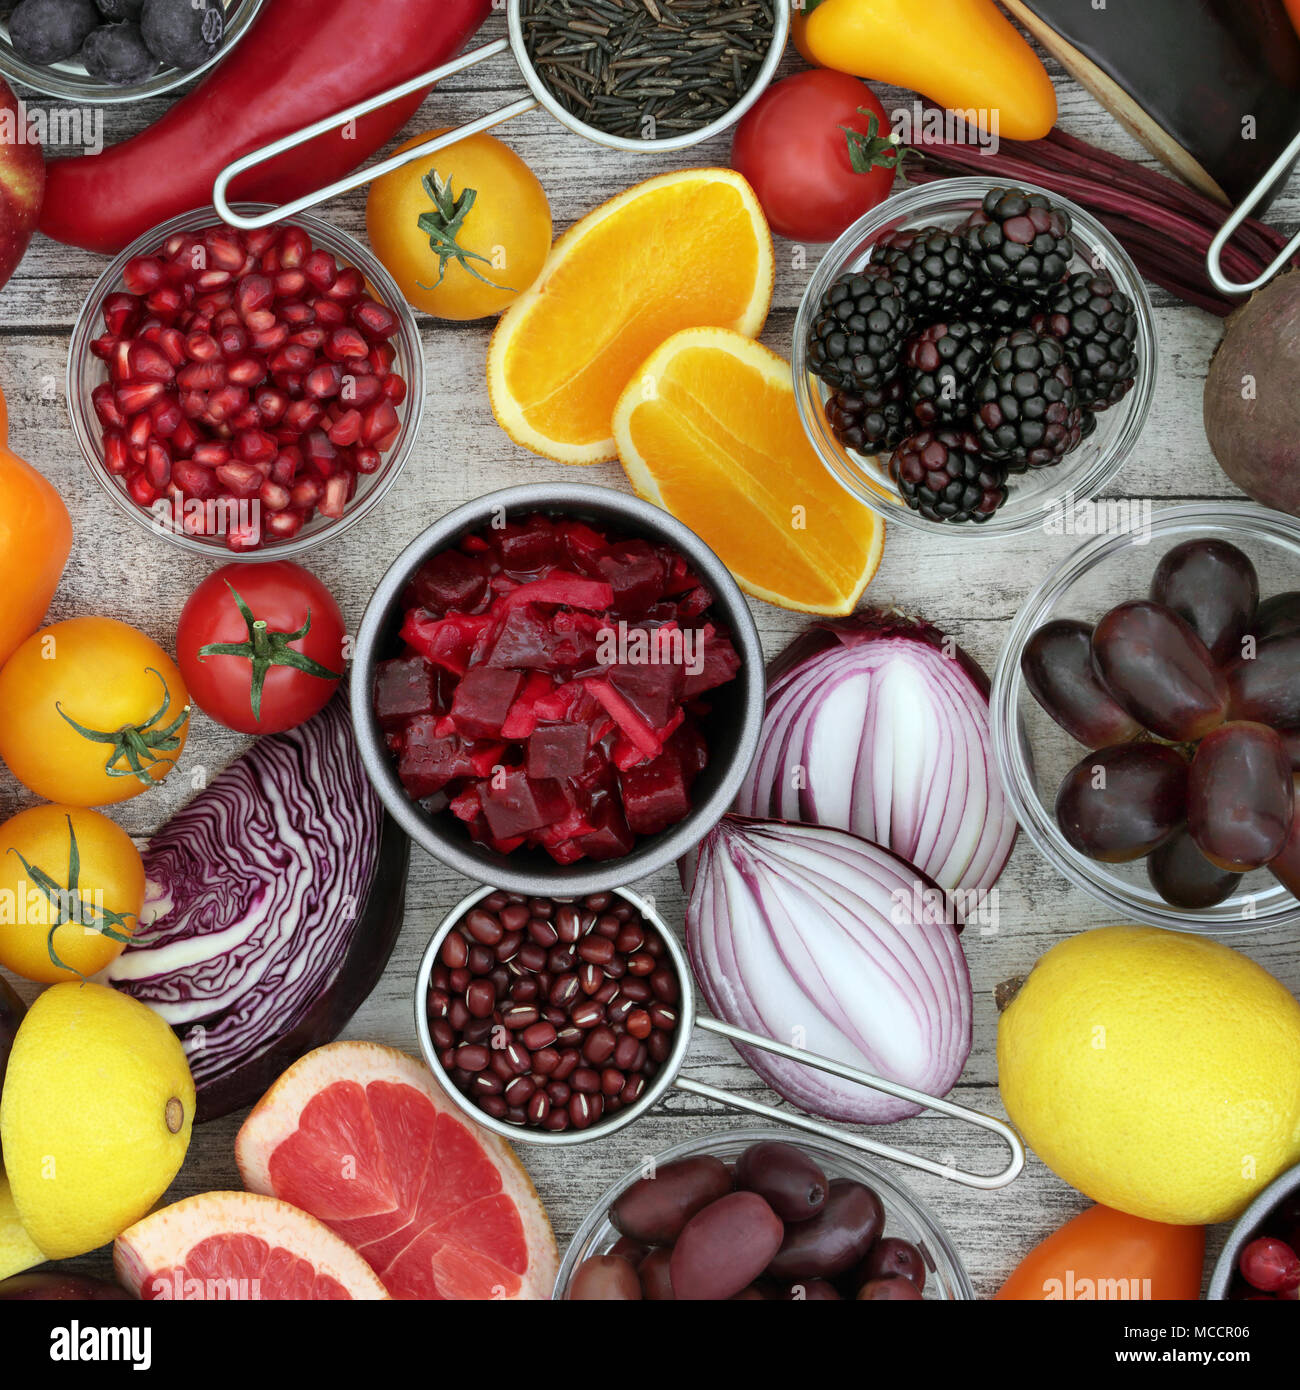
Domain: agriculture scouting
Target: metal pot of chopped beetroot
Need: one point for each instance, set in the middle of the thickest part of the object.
(557, 688)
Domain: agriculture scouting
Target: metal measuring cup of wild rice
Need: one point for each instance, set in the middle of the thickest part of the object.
(648, 138)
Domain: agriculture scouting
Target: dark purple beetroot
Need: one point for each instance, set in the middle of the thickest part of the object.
(448, 581)
(482, 700)
(655, 795)
(404, 687)
(520, 804)
(556, 750)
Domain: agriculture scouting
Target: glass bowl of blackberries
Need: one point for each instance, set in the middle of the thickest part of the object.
(975, 357)
(103, 51)
(1146, 717)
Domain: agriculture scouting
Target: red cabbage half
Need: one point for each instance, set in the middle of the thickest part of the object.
(274, 899)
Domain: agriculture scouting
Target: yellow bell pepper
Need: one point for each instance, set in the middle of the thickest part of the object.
(964, 54)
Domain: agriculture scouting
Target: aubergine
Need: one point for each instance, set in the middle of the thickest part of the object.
(1211, 87)
(274, 900)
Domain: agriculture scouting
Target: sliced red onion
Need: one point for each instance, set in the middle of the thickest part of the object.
(880, 725)
(823, 940)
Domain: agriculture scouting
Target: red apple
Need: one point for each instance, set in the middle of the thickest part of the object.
(22, 182)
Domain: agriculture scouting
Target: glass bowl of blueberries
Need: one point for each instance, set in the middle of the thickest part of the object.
(105, 51)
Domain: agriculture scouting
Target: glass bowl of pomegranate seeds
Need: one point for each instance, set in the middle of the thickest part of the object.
(867, 1236)
(1261, 1257)
(245, 392)
(557, 688)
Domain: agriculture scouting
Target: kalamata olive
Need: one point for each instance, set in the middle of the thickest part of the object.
(896, 1288)
(656, 1280)
(1057, 667)
(655, 1209)
(813, 1291)
(1240, 796)
(604, 1278)
(1120, 803)
(1278, 616)
(1285, 867)
(834, 1240)
(785, 1177)
(892, 1257)
(1214, 587)
(724, 1247)
(1160, 671)
(1184, 877)
(1264, 684)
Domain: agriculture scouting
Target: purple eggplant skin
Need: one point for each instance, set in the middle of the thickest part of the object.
(50, 1287)
(12, 1010)
(372, 944)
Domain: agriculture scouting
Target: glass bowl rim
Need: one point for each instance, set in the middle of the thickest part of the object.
(1136, 406)
(895, 1193)
(1030, 811)
(386, 289)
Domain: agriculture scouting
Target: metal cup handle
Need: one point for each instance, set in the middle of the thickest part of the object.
(220, 189)
(796, 1120)
(1214, 257)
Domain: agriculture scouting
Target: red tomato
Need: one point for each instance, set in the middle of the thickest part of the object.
(792, 147)
(261, 646)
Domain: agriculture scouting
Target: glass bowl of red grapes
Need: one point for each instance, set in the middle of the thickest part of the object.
(1146, 717)
(1261, 1257)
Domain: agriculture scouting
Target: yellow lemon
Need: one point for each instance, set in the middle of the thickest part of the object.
(17, 1252)
(1156, 1071)
(95, 1116)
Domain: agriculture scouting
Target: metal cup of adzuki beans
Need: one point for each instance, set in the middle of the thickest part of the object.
(551, 1014)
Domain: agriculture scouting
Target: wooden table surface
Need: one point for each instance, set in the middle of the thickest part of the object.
(971, 591)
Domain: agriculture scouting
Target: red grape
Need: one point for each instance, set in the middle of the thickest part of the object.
(1285, 866)
(1120, 803)
(1214, 587)
(1270, 1265)
(1184, 877)
(1057, 667)
(1266, 684)
(1240, 796)
(1278, 616)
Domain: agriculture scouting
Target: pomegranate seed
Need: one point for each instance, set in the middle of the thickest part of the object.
(202, 347)
(321, 269)
(290, 383)
(250, 418)
(329, 314)
(119, 364)
(268, 339)
(105, 404)
(395, 389)
(233, 340)
(202, 376)
(349, 286)
(142, 274)
(102, 347)
(295, 314)
(135, 396)
(226, 318)
(319, 453)
(148, 363)
(259, 321)
(239, 479)
(115, 455)
(312, 338)
(306, 493)
(293, 357)
(230, 400)
(324, 382)
(284, 525)
(184, 438)
(272, 405)
(335, 498)
(366, 459)
(158, 464)
(173, 244)
(212, 280)
(225, 250)
(253, 293)
(247, 371)
(273, 496)
(243, 536)
(254, 445)
(138, 432)
(166, 300)
(289, 284)
(374, 319)
(303, 416)
(194, 480)
(194, 404)
(345, 343)
(141, 490)
(121, 314)
(285, 466)
(211, 453)
(361, 390)
(166, 417)
(172, 342)
(379, 423)
(346, 429)
(259, 241)
(295, 247)
(382, 357)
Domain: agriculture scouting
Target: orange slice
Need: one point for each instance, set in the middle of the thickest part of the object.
(708, 429)
(678, 251)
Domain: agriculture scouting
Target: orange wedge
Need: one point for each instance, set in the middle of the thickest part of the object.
(708, 429)
(678, 251)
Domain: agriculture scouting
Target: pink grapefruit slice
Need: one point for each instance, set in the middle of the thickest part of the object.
(362, 1137)
(241, 1246)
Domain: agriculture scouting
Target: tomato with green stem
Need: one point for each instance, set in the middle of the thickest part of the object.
(261, 647)
(818, 151)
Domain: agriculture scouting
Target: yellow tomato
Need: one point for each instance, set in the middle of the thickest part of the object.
(71, 889)
(91, 712)
(464, 231)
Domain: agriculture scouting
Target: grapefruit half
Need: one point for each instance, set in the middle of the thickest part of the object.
(240, 1246)
(362, 1137)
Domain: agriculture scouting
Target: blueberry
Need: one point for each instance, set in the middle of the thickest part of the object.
(120, 9)
(48, 31)
(116, 53)
(182, 33)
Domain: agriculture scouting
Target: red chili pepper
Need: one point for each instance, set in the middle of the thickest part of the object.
(299, 62)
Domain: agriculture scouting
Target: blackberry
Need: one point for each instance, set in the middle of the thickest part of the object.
(116, 53)
(943, 475)
(1026, 411)
(182, 33)
(1020, 240)
(48, 31)
(944, 362)
(933, 269)
(1098, 327)
(872, 422)
(1002, 310)
(856, 341)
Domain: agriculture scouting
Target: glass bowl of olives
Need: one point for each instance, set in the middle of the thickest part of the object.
(1146, 718)
(760, 1214)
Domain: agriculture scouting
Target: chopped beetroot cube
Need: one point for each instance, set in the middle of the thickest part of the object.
(720, 663)
(522, 719)
(483, 699)
(687, 745)
(403, 688)
(557, 750)
(581, 546)
(523, 640)
(449, 642)
(655, 795)
(572, 590)
(430, 759)
(612, 837)
(515, 803)
(637, 573)
(694, 603)
(654, 691)
(451, 580)
(528, 547)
